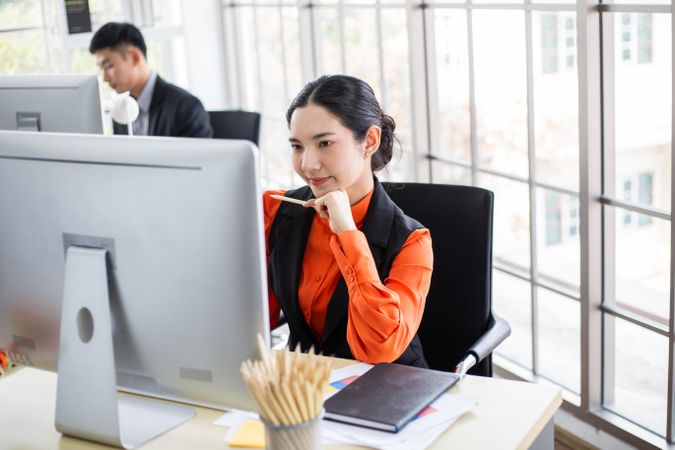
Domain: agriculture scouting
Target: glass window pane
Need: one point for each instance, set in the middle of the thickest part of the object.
(643, 116)
(361, 46)
(556, 114)
(104, 11)
(167, 57)
(501, 104)
(511, 221)
(269, 47)
(637, 387)
(558, 254)
(445, 173)
(329, 44)
(166, 12)
(452, 65)
(293, 71)
(276, 153)
(512, 300)
(642, 261)
(19, 14)
(559, 339)
(249, 70)
(395, 98)
(23, 52)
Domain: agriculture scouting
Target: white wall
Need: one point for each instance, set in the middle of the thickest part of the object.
(205, 51)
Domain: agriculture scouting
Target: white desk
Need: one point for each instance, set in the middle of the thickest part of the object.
(509, 415)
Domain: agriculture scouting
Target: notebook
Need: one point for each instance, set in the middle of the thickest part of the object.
(388, 396)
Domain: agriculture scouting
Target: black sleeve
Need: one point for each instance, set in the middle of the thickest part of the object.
(192, 120)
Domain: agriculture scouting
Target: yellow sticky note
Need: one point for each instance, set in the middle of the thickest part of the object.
(251, 434)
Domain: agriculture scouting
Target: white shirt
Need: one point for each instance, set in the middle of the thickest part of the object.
(140, 125)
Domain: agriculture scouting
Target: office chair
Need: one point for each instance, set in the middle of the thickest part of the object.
(459, 330)
(236, 124)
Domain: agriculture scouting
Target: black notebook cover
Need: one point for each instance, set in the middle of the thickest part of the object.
(388, 396)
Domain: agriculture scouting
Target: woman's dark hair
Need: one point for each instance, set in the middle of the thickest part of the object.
(353, 103)
(113, 35)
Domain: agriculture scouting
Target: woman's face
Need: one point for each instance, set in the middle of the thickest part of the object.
(327, 156)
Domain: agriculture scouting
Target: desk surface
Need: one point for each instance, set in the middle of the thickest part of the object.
(509, 414)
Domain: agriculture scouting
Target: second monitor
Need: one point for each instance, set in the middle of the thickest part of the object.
(60, 103)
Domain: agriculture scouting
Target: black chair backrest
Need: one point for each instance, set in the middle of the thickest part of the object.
(236, 124)
(459, 305)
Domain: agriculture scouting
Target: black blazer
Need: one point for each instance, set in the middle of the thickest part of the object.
(174, 112)
(386, 228)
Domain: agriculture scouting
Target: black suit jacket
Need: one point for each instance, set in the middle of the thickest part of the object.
(174, 112)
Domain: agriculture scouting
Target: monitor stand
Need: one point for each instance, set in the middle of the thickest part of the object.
(87, 403)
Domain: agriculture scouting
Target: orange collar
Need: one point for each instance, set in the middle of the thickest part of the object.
(360, 208)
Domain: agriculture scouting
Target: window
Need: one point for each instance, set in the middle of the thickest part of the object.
(645, 195)
(549, 36)
(634, 228)
(553, 219)
(303, 43)
(22, 41)
(570, 61)
(574, 218)
(627, 195)
(569, 23)
(644, 34)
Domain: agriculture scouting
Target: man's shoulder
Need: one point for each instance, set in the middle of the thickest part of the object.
(176, 93)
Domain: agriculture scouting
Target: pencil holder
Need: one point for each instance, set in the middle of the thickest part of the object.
(300, 436)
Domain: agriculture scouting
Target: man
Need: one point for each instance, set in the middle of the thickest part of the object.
(165, 109)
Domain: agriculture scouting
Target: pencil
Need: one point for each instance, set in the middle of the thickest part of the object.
(289, 199)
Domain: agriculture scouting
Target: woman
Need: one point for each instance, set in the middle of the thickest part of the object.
(349, 270)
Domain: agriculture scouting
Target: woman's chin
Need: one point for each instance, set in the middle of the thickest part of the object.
(322, 189)
(318, 191)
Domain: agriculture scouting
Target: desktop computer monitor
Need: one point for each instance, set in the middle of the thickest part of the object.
(166, 233)
(60, 103)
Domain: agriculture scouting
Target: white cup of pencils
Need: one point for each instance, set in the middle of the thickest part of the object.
(289, 388)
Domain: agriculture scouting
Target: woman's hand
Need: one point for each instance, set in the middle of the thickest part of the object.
(334, 207)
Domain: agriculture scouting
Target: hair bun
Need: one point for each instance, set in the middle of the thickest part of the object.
(384, 154)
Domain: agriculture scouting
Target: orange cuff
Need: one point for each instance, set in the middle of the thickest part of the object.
(354, 258)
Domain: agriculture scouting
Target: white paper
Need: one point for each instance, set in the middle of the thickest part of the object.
(417, 434)
(234, 417)
(357, 369)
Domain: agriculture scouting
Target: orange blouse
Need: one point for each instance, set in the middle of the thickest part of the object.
(382, 318)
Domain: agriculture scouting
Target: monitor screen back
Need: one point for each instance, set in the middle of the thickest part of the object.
(182, 220)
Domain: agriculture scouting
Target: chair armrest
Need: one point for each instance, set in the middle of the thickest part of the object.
(495, 335)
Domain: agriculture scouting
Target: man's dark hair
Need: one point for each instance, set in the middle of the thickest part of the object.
(114, 35)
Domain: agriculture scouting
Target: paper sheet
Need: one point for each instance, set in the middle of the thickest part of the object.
(447, 409)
